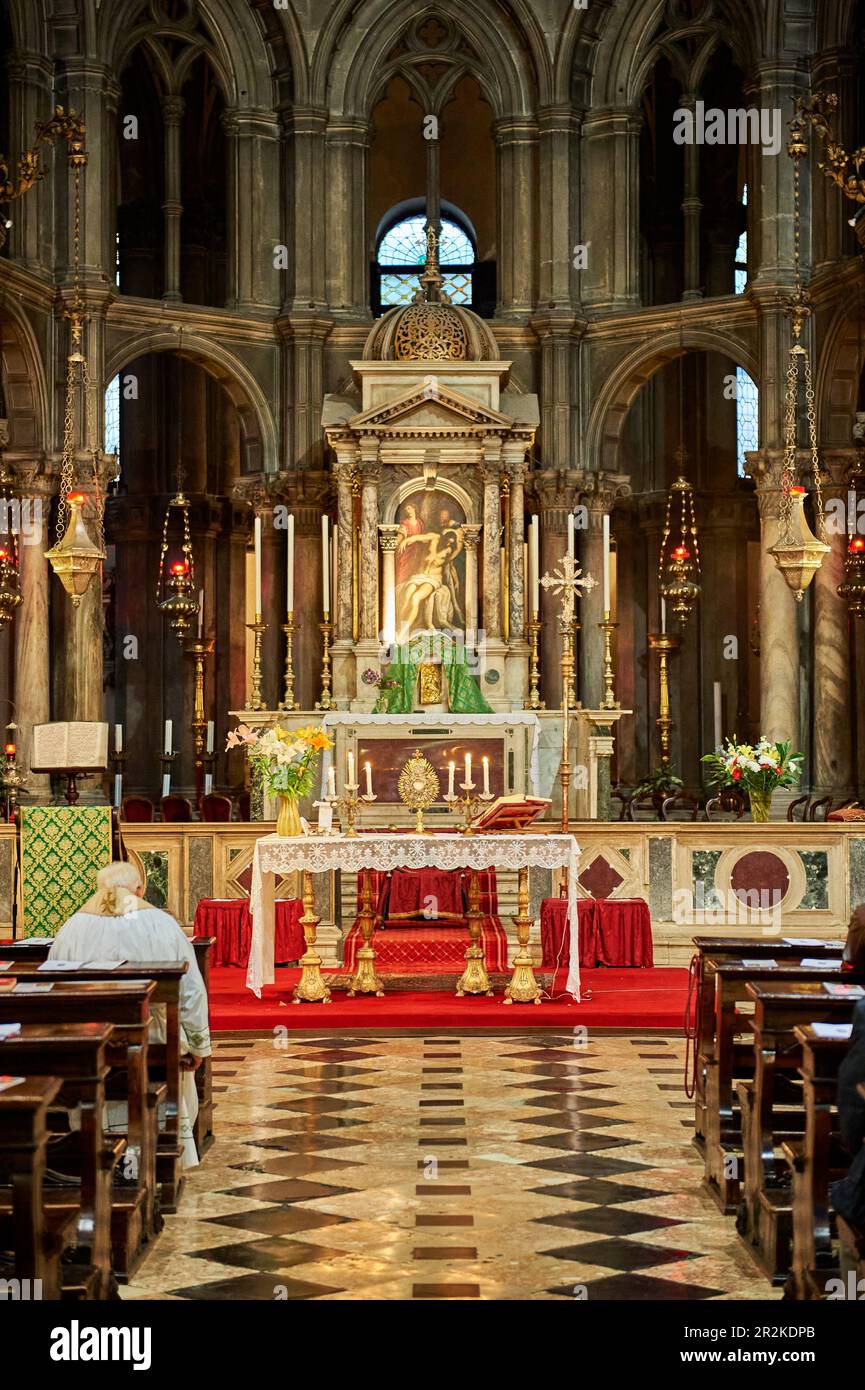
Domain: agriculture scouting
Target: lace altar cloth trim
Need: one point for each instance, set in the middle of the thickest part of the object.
(383, 851)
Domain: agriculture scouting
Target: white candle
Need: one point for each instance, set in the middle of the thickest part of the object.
(572, 540)
(663, 614)
(166, 784)
(368, 767)
(208, 783)
(716, 691)
(200, 614)
(486, 776)
(451, 771)
(606, 563)
(289, 588)
(325, 564)
(257, 566)
(210, 735)
(331, 781)
(168, 733)
(535, 563)
(118, 738)
(350, 779)
(118, 789)
(468, 782)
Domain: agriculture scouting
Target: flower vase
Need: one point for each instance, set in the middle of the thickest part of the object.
(288, 820)
(761, 805)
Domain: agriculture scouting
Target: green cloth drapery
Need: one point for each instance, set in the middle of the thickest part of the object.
(400, 677)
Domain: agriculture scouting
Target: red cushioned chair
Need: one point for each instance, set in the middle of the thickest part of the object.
(137, 809)
(243, 806)
(216, 807)
(176, 808)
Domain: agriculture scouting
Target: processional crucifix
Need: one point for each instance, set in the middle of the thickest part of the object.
(566, 582)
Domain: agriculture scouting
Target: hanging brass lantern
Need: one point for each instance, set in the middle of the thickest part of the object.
(679, 563)
(10, 595)
(75, 558)
(798, 553)
(175, 591)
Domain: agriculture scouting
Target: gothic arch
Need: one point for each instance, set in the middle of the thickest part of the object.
(627, 379)
(28, 21)
(24, 383)
(253, 407)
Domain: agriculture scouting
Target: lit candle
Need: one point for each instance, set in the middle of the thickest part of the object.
(368, 767)
(468, 782)
(210, 735)
(168, 732)
(486, 776)
(451, 771)
(534, 563)
(118, 738)
(289, 588)
(350, 779)
(716, 691)
(325, 564)
(572, 541)
(257, 534)
(663, 614)
(331, 781)
(607, 563)
(200, 614)
(118, 789)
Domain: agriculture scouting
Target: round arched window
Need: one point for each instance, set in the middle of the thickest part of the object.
(401, 255)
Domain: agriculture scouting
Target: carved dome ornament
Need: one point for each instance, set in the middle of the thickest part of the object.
(430, 333)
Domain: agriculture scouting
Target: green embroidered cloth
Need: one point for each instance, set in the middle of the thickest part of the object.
(62, 848)
(400, 678)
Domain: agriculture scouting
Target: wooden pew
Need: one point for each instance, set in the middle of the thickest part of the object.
(36, 1237)
(724, 1156)
(76, 1053)
(163, 1060)
(126, 1004)
(203, 1133)
(718, 950)
(815, 1161)
(767, 1215)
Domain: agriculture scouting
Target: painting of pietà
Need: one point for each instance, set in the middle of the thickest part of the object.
(430, 564)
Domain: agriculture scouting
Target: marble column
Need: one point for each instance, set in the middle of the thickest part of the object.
(472, 535)
(172, 115)
(691, 209)
(83, 629)
(779, 617)
(492, 546)
(32, 637)
(516, 552)
(369, 603)
(388, 537)
(590, 608)
(343, 472)
(832, 694)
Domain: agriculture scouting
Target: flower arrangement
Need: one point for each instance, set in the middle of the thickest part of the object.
(756, 769)
(285, 763)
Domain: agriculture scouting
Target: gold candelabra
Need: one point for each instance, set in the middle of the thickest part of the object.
(664, 643)
(469, 805)
(534, 630)
(365, 980)
(348, 805)
(608, 628)
(523, 987)
(288, 701)
(326, 630)
(259, 627)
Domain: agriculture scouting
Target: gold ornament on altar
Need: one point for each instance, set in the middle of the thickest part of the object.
(418, 787)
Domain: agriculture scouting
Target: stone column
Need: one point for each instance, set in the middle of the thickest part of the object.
(516, 539)
(610, 225)
(559, 196)
(388, 536)
(369, 604)
(172, 115)
(779, 625)
(832, 694)
(82, 634)
(558, 493)
(32, 635)
(306, 128)
(691, 209)
(559, 333)
(347, 269)
(472, 535)
(30, 77)
(253, 209)
(492, 534)
(343, 472)
(516, 141)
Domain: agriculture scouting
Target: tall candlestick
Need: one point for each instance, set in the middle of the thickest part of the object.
(350, 779)
(168, 733)
(210, 736)
(368, 768)
(716, 692)
(486, 762)
(118, 738)
(663, 615)
(451, 771)
(468, 782)
(257, 534)
(289, 587)
(572, 538)
(535, 563)
(200, 614)
(325, 562)
(606, 562)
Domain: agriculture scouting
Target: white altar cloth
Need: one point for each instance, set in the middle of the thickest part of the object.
(383, 850)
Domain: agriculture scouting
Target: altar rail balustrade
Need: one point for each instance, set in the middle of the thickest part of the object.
(776, 879)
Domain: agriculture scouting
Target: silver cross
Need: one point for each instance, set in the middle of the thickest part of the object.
(566, 581)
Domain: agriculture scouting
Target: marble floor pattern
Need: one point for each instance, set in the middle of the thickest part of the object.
(522, 1166)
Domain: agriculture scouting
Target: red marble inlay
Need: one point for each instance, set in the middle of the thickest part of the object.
(760, 871)
(600, 878)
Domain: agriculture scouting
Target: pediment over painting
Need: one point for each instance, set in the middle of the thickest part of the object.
(430, 406)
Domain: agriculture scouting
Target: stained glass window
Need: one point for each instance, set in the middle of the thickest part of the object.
(741, 267)
(402, 255)
(747, 417)
(112, 420)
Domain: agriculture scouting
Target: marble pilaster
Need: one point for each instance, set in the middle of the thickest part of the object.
(832, 694)
(492, 539)
(779, 625)
(369, 602)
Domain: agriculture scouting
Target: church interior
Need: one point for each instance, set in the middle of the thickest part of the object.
(432, 651)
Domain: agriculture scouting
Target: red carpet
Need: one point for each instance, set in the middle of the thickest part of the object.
(438, 947)
(636, 999)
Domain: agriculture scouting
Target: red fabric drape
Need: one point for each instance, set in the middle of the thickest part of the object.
(229, 921)
(613, 931)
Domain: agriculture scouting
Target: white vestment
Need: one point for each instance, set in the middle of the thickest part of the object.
(147, 935)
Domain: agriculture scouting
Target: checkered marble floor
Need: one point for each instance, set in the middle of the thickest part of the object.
(521, 1166)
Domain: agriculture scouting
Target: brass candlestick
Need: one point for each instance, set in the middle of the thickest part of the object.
(365, 980)
(259, 627)
(348, 805)
(608, 628)
(474, 979)
(311, 988)
(289, 627)
(534, 629)
(567, 666)
(326, 630)
(523, 987)
(664, 643)
(468, 806)
(199, 650)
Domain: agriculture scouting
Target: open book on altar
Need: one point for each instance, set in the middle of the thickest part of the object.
(511, 812)
(64, 746)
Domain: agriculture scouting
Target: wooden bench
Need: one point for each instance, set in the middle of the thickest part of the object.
(134, 1213)
(36, 1237)
(203, 1132)
(766, 1218)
